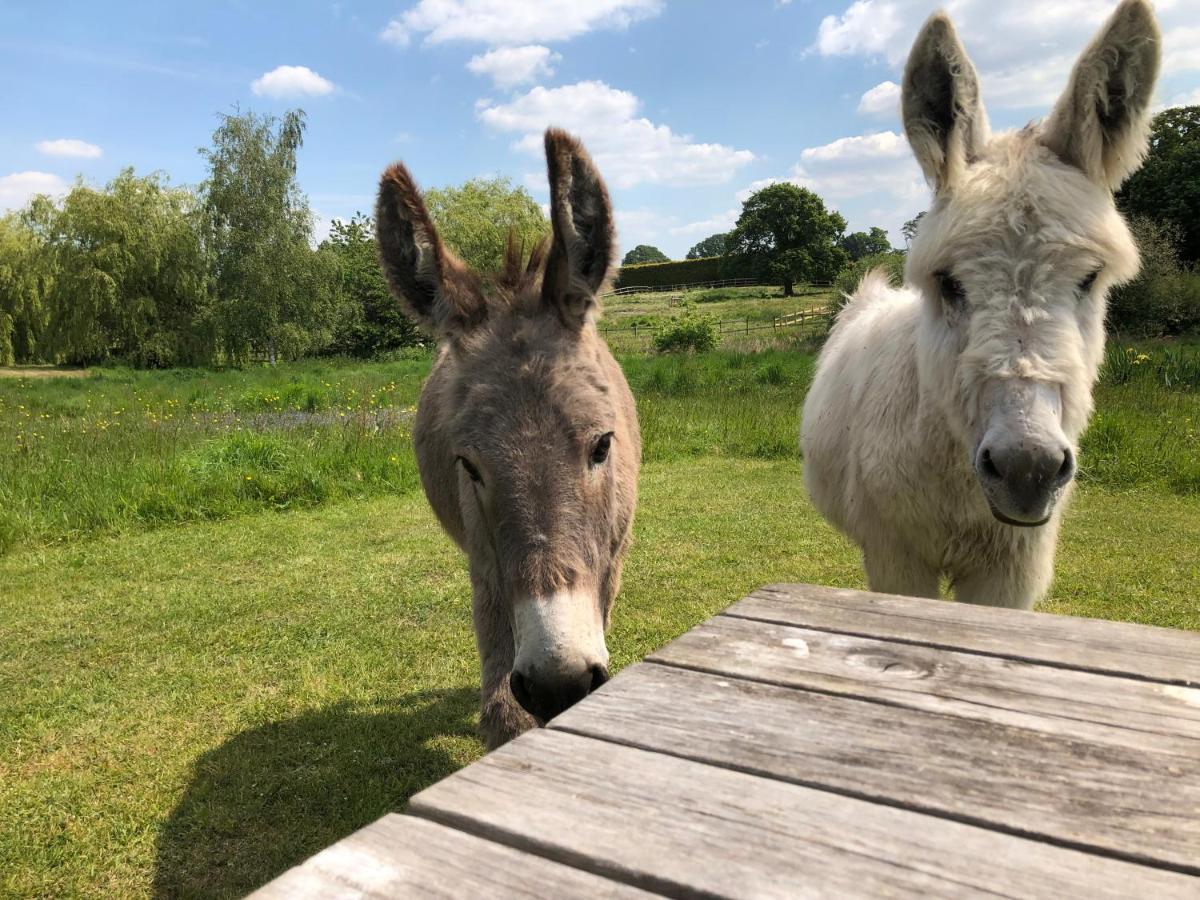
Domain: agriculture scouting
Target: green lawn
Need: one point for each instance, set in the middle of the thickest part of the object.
(188, 711)
(232, 632)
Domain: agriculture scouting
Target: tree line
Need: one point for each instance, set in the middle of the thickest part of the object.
(784, 234)
(154, 275)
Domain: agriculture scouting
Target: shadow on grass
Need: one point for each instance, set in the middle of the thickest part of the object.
(270, 797)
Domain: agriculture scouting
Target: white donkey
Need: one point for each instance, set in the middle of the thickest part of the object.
(941, 428)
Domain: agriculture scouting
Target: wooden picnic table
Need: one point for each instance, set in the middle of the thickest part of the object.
(820, 742)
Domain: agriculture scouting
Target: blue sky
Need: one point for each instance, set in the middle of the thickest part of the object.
(687, 106)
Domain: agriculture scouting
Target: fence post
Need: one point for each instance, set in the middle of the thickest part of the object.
(747, 324)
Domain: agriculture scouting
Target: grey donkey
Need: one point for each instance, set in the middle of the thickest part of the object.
(526, 436)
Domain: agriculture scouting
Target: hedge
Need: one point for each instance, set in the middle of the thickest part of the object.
(684, 271)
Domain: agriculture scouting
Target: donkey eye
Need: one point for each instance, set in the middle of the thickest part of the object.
(470, 469)
(951, 290)
(1085, 286)
(600, 451)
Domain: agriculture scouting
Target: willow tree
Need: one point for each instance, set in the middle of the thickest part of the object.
(475, 219)
(23, 280)
(272, 292)
(128, 272)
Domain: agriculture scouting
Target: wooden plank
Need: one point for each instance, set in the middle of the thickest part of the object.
(402, 856)
(1094, 645)
(1086, 706)
(1127, 803)
(686, 829)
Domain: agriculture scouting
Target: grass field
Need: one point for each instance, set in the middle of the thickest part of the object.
(741, 313)
(232, 632)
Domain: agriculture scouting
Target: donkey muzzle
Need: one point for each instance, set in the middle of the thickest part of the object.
(560, 652)
(545, 698)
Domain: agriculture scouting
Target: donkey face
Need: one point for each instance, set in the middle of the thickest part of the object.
(537, 436)
(1019, 249)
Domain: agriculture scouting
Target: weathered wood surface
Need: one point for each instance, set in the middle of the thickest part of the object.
(1081, 705)
(1115, 648)
(1108, 798)
(816, 742)
(403, 856)
(686, 829)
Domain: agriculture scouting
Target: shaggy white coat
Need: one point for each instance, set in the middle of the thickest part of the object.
(908, 382)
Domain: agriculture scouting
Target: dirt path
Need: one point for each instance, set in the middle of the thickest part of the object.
(41, 372)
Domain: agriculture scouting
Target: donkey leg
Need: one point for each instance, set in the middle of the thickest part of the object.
(1017, 585)
(892, 568)
(501, 718)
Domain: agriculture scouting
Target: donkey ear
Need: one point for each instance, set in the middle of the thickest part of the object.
(581, 215)
(943, 114)
(1101, 124)
(436, 288)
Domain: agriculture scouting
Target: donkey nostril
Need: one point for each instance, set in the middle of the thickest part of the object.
(599, 677)
(520, 690)
(1067, 470)
(988, 468)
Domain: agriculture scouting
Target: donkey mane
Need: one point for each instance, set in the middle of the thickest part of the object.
(521, 274)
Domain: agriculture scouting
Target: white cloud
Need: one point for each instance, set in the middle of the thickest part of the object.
(511, 66)
(70, 147)
(1191, 98)
(1024, 51)
(628, 148)
(17, 189)
(878, 167)
(1181, 49)
(848, 174)
(867, 27)
(881, 100)
(504, 22)
(291, 81)
(718, 224)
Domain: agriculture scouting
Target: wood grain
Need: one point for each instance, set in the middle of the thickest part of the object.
(1080, 705)
(686, 829)
(1116, 648)
(403, 856)
(1109, 799)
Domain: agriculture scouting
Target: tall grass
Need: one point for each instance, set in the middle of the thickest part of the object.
(121, 450)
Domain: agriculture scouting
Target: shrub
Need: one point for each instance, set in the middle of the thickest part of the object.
(689, 332)
(1165, 298)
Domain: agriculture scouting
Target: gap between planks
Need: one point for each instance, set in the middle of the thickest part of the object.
(692, 829)
(1074, 703)
(773, 751)
(1160, 655)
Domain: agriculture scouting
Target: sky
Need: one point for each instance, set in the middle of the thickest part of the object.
(686, 105)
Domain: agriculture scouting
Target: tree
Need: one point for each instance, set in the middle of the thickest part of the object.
(786, 232)
(128, 273)
(713, 245)
(862, 243)
(475, 219)
(1167, 186)
(1164, 298)
(910, 227)
(23, 313)
(273, 293)
(369, 318)
(644, 253)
